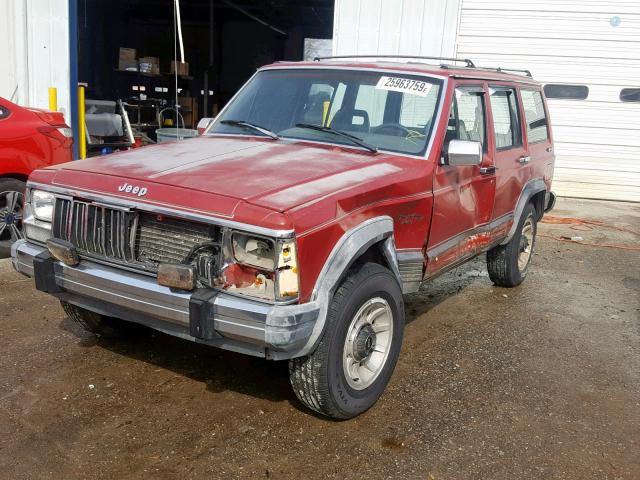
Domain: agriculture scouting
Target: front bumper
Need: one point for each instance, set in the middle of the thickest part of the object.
(214, 318)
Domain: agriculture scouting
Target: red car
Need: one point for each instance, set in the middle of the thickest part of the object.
(29, 139)
(293, 226)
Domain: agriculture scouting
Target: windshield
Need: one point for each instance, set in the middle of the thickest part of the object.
(386, 111)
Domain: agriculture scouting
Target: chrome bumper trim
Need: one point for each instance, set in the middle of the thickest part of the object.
(247, 326)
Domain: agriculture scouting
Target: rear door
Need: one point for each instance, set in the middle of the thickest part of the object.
(538, 134)
(510, 153)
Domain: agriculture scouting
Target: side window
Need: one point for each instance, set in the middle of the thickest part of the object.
(535, 116)
(630, 95)
(506, 122)
(567, 92)
(467, 117)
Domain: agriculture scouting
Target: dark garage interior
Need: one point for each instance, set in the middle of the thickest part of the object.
(224, 43)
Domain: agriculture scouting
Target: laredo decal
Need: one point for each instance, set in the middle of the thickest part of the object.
(134, 189)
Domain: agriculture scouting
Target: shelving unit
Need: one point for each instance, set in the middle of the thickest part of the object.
(145, 112)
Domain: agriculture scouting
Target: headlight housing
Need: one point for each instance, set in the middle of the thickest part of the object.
(37, 226)
(254, 251)
(42, 204)
(260, 267)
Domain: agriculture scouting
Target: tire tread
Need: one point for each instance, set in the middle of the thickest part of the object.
(502, 263)
(307, 373)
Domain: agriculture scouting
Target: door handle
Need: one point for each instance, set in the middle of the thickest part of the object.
(488, 170)
(524, 159)
(548, 149)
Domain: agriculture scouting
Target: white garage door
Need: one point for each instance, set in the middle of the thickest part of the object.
(591, 43)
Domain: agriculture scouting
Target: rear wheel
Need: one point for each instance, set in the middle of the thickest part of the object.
(358, 352)
(11, 206)
(508, 264)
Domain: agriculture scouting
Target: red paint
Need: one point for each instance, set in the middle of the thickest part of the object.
(321, 191)
(30, 139)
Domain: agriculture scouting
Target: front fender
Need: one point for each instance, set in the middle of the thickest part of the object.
(347, 250)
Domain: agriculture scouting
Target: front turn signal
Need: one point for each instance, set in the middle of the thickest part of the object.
(177, 276)
(63, 251)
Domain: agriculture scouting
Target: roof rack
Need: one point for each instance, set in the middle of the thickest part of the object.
(468, 62)
(515, 70)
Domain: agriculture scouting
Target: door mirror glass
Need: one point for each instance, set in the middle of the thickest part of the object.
(203, 124)
(464, 152)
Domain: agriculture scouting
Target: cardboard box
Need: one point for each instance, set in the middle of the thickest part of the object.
(131, 65)
(127, 59)
(189, 110)
(127, 53)
(149, 65)
(183, 68)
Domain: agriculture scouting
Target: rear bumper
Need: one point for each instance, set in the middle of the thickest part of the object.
(205, 316)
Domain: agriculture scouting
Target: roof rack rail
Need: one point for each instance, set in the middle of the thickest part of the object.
(502, 69)
(468, 62)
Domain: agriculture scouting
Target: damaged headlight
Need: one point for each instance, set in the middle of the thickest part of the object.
(254, 251)
(260, 267)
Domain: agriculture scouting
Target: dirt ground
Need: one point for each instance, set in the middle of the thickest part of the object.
(541, 381)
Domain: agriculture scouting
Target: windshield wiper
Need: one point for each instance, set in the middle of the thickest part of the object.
(258, 128)
(353, 138)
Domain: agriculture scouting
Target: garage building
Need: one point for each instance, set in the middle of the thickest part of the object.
(585, 51)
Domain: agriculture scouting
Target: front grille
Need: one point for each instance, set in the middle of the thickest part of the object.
(138, 239)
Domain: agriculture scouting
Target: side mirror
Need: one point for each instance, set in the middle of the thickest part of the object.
(464, 152)
(203, 124)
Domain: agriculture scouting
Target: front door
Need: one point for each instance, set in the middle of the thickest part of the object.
(463, 195)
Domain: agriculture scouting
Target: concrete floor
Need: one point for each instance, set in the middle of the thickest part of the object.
(541, 381)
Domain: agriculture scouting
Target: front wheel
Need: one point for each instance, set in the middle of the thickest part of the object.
(508, 264)
(93, 322)
(357, 354)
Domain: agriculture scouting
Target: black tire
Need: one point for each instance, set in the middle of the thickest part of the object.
(11, 227)
(319, 380)
(99, 325)
(502, 261)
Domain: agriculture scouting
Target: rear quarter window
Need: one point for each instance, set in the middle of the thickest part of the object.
(535, 116)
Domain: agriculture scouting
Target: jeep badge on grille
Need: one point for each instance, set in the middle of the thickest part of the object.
(128, 188)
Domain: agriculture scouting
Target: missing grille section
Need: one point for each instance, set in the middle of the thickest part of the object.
(170, 240)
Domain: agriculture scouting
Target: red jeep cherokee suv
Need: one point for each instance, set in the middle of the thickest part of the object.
(291, 229)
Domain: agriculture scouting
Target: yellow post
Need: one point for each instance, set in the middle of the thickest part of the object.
(53, 99)
(325, 113)
(82, 128)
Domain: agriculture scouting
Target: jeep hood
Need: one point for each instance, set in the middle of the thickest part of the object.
(277, 175)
